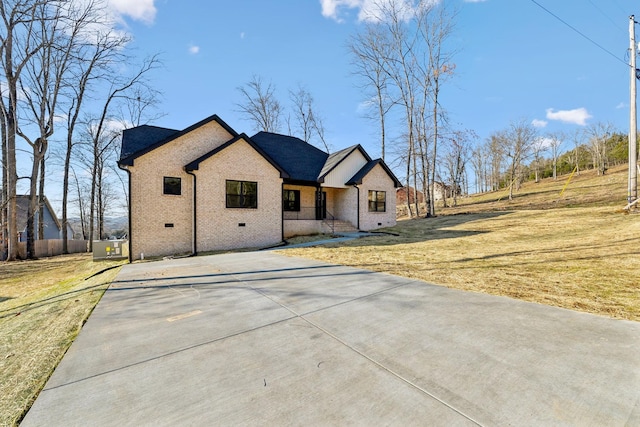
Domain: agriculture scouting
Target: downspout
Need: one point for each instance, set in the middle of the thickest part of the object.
(129, 234)
(358, 212)
(282, 210)
(194, 243)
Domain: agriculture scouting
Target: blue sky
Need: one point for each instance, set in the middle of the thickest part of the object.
(516, 61)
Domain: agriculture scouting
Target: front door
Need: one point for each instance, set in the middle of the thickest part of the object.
(321, 204)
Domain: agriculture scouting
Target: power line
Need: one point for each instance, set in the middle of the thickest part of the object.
(578, 31)
(615, 24)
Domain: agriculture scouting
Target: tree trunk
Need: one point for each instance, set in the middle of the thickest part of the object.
(41, 201)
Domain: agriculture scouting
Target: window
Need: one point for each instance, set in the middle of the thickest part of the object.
(172, 185)
(377, 201)
(291, 200)
(242, 194)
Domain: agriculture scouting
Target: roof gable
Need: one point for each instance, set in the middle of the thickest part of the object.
(338, 157)
(143, 139)
(359, 176)
(194, 165)
(301, 160)
(22, 206)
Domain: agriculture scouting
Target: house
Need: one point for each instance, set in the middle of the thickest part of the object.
(208, 188)
(52, 225)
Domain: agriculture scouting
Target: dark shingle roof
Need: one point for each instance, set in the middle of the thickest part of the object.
(301, 161)
(142, 139)
(194, 165)
(357, 178)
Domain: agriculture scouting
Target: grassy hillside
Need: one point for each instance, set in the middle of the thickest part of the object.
(578, 250)
(584, 189)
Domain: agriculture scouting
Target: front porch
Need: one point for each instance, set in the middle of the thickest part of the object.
(317, 210)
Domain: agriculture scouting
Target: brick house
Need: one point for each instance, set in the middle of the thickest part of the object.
(209, 188)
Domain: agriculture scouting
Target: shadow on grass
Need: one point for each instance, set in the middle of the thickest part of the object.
(424, 230)
(19, 309)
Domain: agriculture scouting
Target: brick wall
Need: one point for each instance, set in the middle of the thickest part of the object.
(377, 179)
(151, 210)
(220, 227)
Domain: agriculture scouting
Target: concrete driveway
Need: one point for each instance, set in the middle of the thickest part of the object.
(264, 339)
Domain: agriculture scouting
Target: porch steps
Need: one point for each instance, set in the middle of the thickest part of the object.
(338, 226)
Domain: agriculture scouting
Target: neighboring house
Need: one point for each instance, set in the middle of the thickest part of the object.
(401, 195)
(52, 226)
(209, 188)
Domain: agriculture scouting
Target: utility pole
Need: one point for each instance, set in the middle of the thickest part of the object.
(633, 127)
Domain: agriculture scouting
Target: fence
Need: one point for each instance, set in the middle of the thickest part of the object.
(53, 247)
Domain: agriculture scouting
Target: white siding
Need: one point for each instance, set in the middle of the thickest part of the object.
(345, 170)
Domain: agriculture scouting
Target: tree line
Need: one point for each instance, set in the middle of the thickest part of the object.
(68, 81)
(520, 153)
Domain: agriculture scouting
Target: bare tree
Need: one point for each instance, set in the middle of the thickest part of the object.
(577, 142)
(555, 141)
(402, 52)
(517, 143)
(457, 154)
(260, 105)
(479, 162)
(309, 123)
(18, 43)
(369, 51)
(59, 27)
(598, 135)
(436, 28)
(538, 147)
(94, 60)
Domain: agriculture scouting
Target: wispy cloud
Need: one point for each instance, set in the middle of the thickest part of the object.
(539, 123)
(194, 50)
(242, 34)
(578, 116)
(368, 10)
(621, 106)
(475, 1)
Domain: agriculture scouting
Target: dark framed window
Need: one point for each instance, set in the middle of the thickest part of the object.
(242, 194)
(291, 200)
(377, 201)
(172, 185)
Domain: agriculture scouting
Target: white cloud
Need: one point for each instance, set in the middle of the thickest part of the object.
(138, 10)
(578, 116)
(369, 10)
(539, 123)
(621, 106)
(194, 50)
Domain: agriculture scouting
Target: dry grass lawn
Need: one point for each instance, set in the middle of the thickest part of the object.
(578, 251)
(43, 305)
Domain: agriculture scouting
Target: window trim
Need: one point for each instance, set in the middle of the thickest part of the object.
(286, 204)
(164, 186)
(374, 204)
(242, 197)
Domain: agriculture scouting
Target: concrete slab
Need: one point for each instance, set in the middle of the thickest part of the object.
(262, 339)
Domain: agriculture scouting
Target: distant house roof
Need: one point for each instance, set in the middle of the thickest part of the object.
(194, 165)
(301, 160)
(357, 178)
(22, 209)
(143, 139)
